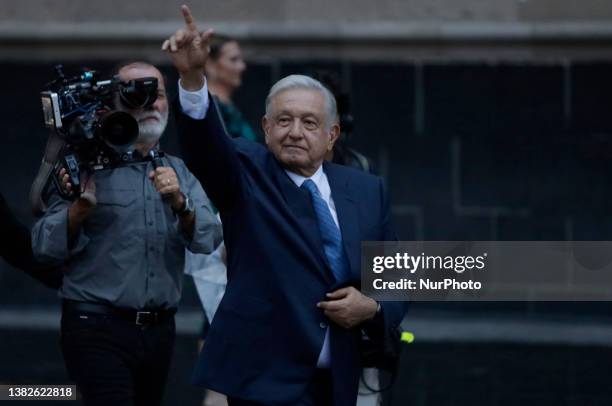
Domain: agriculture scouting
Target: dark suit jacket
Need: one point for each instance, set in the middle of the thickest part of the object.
(267, 334)
(16, 249)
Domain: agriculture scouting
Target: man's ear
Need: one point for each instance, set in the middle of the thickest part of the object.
(334, 133)
(265, 125)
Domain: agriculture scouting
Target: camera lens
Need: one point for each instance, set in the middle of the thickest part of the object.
(118, 128)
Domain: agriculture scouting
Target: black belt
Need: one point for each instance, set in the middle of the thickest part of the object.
(140, 317)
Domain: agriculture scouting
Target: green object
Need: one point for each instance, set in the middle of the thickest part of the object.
(236, 125)
(407, 337)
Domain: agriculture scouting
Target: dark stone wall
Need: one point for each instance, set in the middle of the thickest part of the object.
(469, 151)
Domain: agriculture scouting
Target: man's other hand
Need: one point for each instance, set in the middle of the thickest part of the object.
(81, 207)
(166, 183)
(348, 307)
(188, 50)
(87, 199)
(65, 183)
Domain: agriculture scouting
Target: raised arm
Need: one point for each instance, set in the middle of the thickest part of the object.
(207, 150)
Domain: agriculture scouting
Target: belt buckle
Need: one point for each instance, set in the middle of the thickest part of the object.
(142, 314)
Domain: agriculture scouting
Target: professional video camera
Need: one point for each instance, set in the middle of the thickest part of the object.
(80, 109)
(86, 129)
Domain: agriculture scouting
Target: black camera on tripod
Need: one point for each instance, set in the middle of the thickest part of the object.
(81, 112)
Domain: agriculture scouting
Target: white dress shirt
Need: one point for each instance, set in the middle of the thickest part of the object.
(194, 104)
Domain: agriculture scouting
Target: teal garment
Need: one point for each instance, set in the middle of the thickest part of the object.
(236, 125)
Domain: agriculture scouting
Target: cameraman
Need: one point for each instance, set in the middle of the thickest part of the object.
(123, 242)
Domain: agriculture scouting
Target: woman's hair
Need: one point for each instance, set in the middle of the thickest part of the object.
(216, 44)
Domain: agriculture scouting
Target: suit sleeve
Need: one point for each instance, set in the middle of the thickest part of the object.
(16, 249)
(16, 245)
(211, 156)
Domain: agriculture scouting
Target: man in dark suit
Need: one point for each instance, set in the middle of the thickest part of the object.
(288, 328)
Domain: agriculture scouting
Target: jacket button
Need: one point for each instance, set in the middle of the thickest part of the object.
(323, 325)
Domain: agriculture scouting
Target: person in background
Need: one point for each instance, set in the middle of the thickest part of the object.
(224, 69)
(343, 153)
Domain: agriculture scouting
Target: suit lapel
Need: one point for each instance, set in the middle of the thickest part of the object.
(298, 201)
(348, 215)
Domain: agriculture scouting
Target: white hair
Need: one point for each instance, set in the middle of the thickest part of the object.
(308, 83)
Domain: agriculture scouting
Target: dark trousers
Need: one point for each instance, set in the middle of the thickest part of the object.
(115, 362)
(318, 393)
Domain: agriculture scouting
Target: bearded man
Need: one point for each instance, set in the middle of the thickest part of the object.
(123, 242)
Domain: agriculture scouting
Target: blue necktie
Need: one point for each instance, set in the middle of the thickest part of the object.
(330, 234)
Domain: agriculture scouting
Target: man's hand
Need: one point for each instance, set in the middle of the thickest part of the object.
(81, 207)
(166, 183)
(348, 307)
(65, 183)
(87, 199)
(188, 50)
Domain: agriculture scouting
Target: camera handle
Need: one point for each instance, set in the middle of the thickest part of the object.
(71, 164)
(155, 159)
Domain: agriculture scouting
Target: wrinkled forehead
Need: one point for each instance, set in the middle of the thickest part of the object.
(131, 72)
(299, 101)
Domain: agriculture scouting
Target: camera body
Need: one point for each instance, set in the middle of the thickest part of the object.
(81, 111)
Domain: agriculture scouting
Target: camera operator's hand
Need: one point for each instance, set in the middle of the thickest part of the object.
(64, 179)
(88, 193)
(81, 207)
(188, 50)
(166, 183)
(87, 200)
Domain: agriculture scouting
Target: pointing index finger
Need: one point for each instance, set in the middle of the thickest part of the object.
(191, 26)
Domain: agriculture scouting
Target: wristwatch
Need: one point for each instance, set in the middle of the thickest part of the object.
(187, 207)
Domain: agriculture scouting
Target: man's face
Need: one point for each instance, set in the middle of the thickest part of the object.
(298, 130)
(151, 120)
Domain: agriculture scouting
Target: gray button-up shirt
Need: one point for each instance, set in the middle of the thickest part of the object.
(130, 251)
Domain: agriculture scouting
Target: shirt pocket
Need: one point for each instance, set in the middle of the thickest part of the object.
(114, 207)
(115, 197)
